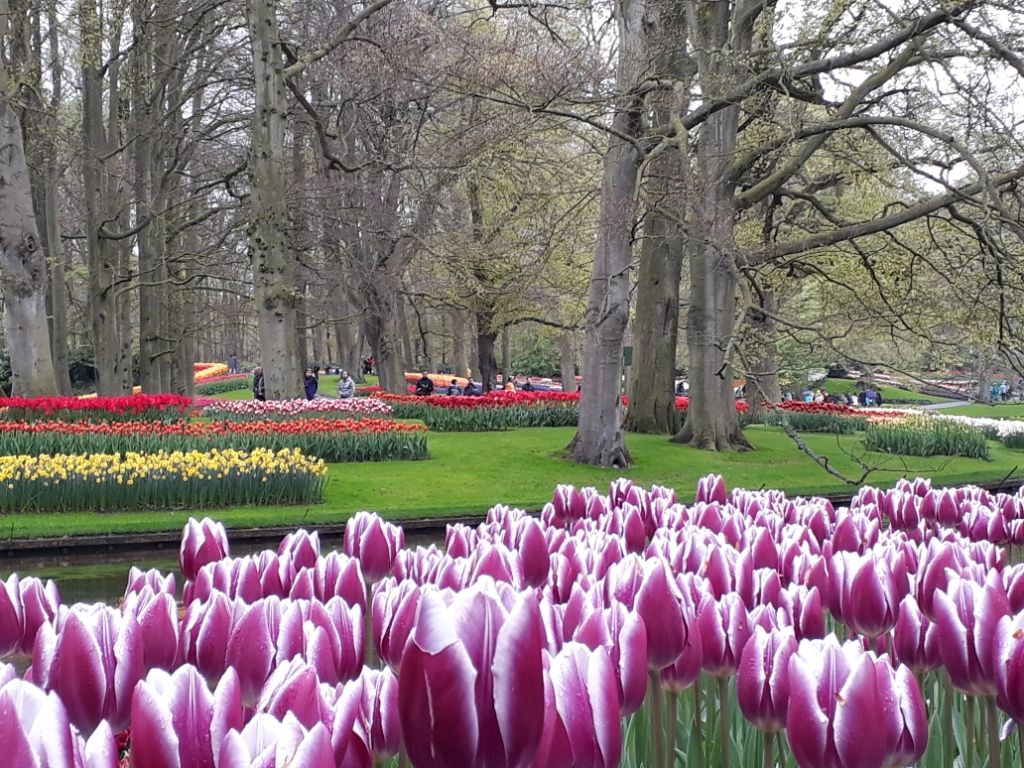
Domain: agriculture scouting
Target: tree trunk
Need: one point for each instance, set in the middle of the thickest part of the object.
(760, 355)
(379, 327)
(599, 438)
(506, 355)
(567, 360)
(460, 357)
(409, 360)
(711, 420)
(652, 400)
(22, 264)
(487, 366)
(274, 289)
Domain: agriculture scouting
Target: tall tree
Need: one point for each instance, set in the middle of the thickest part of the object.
(23, 272)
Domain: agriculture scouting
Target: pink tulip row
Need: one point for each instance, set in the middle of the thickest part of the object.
(527, 642)
(366, 406)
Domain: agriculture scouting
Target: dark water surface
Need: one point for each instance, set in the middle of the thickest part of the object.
(101, 576)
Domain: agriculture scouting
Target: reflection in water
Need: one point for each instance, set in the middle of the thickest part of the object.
(102, 576)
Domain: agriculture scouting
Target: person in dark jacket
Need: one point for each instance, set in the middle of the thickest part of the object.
(259, 386)
(454, 388)
(424, 386)
(311, 384)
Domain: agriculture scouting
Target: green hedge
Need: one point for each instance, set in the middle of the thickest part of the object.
(488, 419)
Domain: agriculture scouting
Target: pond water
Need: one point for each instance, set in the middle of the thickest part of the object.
(101, 576)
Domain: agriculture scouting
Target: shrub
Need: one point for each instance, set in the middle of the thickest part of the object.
(927, 437)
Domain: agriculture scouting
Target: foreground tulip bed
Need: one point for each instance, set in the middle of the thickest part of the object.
(617, 629)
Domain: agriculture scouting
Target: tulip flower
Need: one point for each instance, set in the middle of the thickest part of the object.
(582, 727)
(711, 488)
(154, 579)
(762, 680)
(157, 617)
(379, 712)
(470, 685)
(301, 547)
(177, 721)
(850, 709)
(35, 732)
(623, 635)
(966, 616)
(658, 604)
(394, 614)
(293, 688)
(328, 636)
(267, 742)
(205, 630)
(724, 628)
(374, 543)
(915, 638)
(202, 542)
(92, 663)
(868, 594)
(1008, 647)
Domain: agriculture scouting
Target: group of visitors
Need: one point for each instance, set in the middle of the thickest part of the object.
(1001, 392)
(425, 387)
(865, 398)
(310, 382)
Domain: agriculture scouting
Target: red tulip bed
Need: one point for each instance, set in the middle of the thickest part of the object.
(128, 407)
(333, 440)
(625, 628)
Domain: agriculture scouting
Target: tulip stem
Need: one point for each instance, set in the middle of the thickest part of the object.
(969, 757)
(767, 760)
(994, 749)
(723, 713)
(673, 727)
(947, 726)
(698, 727)
(371, 649)
(657, 721)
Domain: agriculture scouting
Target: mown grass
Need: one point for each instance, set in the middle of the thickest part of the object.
(842, 386)
(470, 472)
(989, 411)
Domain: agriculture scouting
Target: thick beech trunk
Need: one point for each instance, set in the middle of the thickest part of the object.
(599, 438)
(22, 267)
(274, 289)
(760, 355)
(656, 330)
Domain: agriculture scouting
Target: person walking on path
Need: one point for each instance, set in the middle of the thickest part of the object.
(232, 363)
(311, 384)
(259, 386)
(346, 386)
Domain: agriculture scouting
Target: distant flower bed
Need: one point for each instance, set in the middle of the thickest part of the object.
(207, 371)
(216, 385)
(354, 406)
(192, 479)
(138, 406)
(333, 440)
(492, 412)
(925, 436)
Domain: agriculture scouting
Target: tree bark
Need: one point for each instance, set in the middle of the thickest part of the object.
(599, 438)
(760, 354)
(22, 263)
(711, 420)
(567, 360)
(274, 290)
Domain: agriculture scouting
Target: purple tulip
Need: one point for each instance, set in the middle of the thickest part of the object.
(394, 615)
(202, 542)
(328, 636)
(1008, 646)
(623, 635)
(235, 578)
(177, 721)
(582, 728)
(470, 687)
(92, 663)
(157, 582)
(762, 680)
(850, 709)
(337, 575)
(711, 488)
(252, 645)
(35, 732)
(267, 742)
(915, 638)
(966, 616)
(533, 552)
(294, 688)
(157, 617)
(658, 603)
(379, 712)
(868, 593)
(301, 547)
(724, 628)
(374, 542)
(205, 630)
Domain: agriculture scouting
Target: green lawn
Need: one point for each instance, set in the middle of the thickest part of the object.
(470, 472)
(995, 411)
(842, 386)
